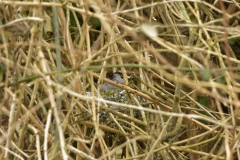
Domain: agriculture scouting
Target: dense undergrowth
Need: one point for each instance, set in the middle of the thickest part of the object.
(180, 64)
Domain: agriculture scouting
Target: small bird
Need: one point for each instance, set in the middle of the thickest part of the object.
(117, 77)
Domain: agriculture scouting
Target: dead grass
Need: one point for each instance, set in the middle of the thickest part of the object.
(180, 63)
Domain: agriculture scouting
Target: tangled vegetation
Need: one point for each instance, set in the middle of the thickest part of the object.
(180, 65)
